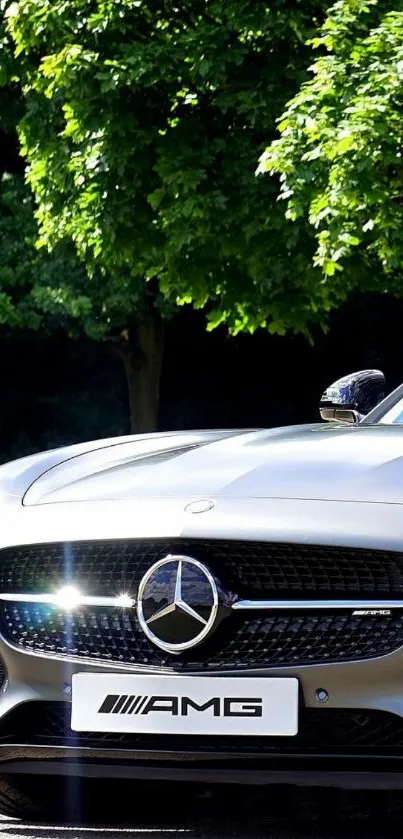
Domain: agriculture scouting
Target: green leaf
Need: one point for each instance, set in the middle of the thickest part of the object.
(141, 126)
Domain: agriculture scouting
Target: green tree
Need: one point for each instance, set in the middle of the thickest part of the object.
(340, 150)
(38, 290)
(30, 279)
(142, 123)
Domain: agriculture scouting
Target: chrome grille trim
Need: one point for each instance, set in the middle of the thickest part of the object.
(127, 601)
(123, 602)
(317, 604)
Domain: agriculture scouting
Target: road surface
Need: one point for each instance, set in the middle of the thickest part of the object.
(225, 813)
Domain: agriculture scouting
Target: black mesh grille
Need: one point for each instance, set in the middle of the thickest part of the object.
(253, 640)
(108, 567)
(243, 640)
(321, 731)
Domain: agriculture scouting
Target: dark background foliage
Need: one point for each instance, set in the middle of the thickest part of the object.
(57, 391)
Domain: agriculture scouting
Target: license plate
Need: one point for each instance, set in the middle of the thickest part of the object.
(184, 704)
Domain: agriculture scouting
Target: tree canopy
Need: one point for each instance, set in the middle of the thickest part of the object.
(32, 295)
(340, 150)
(142, 125)
(30, 292)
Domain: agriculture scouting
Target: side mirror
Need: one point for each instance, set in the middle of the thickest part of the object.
(350, 398)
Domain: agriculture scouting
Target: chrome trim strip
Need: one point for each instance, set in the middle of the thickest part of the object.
(317, 604)
(125, 601)
(121, 601)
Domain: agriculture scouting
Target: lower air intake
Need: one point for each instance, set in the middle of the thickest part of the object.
(321, 732)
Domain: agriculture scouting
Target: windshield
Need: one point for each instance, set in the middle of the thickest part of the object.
(394, 416)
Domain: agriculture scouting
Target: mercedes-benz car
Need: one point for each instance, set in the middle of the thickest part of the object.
(208, 605)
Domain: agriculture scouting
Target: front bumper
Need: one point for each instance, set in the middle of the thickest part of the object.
(355, 739)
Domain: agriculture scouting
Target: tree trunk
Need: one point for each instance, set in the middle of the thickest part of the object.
(141, 350)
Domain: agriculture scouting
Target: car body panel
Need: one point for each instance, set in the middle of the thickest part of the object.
(311, 462)
(281, 520)
(335, 485)
(309, 485)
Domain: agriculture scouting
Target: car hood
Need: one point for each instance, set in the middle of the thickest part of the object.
(320, 462)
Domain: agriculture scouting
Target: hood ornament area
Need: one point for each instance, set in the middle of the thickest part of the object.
(203, 505)
(177, 603)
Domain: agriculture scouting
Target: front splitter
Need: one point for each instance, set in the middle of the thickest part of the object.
(343, 772)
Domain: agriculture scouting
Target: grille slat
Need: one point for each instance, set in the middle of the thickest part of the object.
(243, 640)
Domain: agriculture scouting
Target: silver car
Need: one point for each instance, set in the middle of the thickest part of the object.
(216, 605)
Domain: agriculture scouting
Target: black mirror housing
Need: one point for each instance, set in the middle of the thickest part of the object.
(350, 398)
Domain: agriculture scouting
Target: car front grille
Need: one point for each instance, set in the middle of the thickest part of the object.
(242, 641)
(246, 569)
(327, 731)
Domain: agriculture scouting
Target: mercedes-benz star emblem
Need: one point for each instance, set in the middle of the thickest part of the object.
(177, 603)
